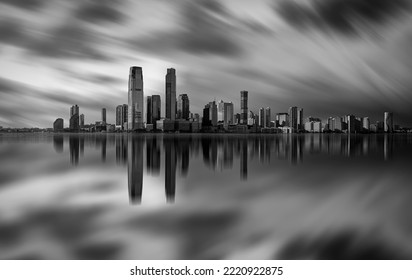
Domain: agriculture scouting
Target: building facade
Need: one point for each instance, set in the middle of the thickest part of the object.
(135, 98)
(171, 94)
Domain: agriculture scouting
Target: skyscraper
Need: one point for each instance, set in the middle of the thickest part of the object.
(221, 111)
(388, 122)
(228, 114)
(119, 115)
(104, 115)
(293, 118)
(74, 118)
(213, 113)
(149, 113)
(300, 119)
(81, 120)
(125, 116)
(171, 94)
(268, 117)
(183, 109)
(156, 109)
(136, 103)
(243, 107)
(262, 121)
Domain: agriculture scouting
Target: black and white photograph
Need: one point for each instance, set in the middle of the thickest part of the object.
(205, 130)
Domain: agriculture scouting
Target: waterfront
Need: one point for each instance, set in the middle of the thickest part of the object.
(199, 196)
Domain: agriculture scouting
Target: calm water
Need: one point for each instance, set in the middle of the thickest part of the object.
(205, 196)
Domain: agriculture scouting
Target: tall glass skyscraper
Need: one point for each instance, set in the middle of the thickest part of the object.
(183, 107)
(171, 94)
(243, 106)
(136, 102)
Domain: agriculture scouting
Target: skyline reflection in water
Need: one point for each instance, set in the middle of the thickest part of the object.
(219, 152)
(165, 196)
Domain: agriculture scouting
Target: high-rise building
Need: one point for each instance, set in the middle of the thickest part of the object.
(149, 114)
(221, 111)
(183, 109)
(74, 118)
(171, 94)
(243, 107)
(365, 124)
(351, 123)
(213, 113)
(300, 119)
(81, 120)
(262, 117)
(268, 117)
(58, 125)
(388, 122)
(156, 109)
(119, 115)
(228, 113)
(136, 102)
(206, 116)
(293, 118)
(251, 118)
(337, 124)
(104, 115)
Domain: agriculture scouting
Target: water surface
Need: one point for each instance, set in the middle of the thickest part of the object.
(114, 196)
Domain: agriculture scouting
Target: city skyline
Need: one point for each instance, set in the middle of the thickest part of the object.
(283, 60)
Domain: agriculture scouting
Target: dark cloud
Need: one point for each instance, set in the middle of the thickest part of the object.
(25, 4)
(201, 31)
(69, 41)
(11, 31)
(96, 11)
(343, 16)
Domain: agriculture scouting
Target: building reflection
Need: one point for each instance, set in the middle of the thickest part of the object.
(135, 169)
(170, 168)
(58, 142)
(218, 152)
(74, 145)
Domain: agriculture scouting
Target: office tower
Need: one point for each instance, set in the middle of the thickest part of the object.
(206, 116)
(104, 116)
(74, 118)
(136, 102)
(365, 124)
(149, 113)
(282, 119)
(388, 122)
(119, 115)
(268, 117)
(228, 113)
(58, 125)
(300, 119)
(221, 111)
(213, 113)
(351, 123)
(156, 109)
(295, 118)
(330, 124)
(262, 116)
(81, 120)
(183, 109)
(243, 106)
(337, 124)
(171, 94)
(125, 116)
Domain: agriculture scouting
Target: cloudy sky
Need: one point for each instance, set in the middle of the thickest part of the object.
(331, 57)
